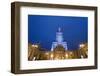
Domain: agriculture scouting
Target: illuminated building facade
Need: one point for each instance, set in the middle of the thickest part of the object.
(59, 40)
(35, 52)
(59, 50)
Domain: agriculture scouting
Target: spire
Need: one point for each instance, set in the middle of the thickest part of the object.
(59, 29)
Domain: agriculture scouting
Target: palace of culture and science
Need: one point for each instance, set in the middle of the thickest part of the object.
(59, 50)
(59, 40)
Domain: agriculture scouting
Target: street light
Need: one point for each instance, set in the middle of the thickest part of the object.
(36, 46)
(51, 55)
(81, 45)
(66, 55)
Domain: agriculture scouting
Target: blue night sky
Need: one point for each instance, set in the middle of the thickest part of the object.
(42, 29)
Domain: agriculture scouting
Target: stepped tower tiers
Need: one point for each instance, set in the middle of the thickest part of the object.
(59, 40)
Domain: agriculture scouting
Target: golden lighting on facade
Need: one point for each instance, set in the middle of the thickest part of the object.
(47, 53)
(56, 58)
(59, 53)
(51, 55)
(87, 52)
(66, 55)
(71, 53)
(81, 45)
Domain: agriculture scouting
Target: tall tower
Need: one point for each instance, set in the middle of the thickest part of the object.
(59, 40)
